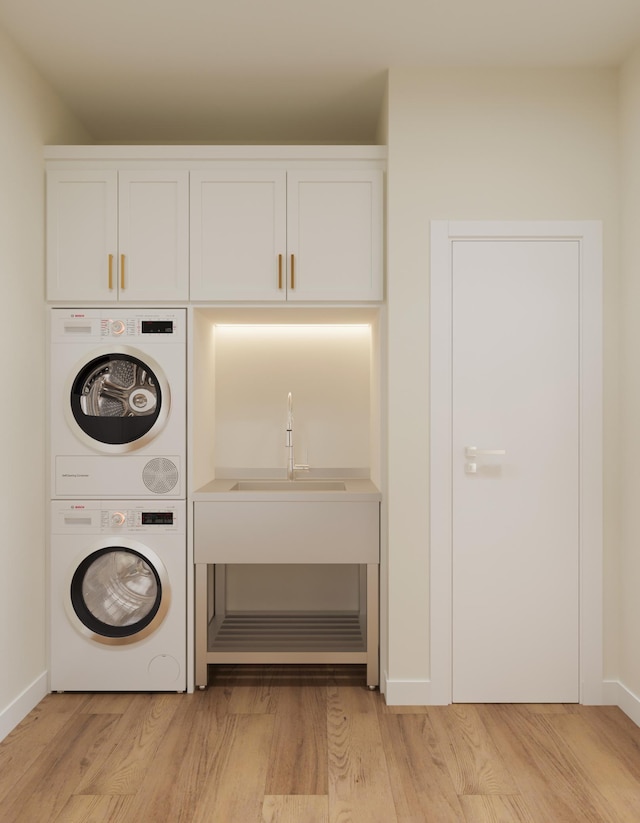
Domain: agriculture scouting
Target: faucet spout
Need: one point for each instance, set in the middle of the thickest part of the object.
(289, 439)
(292, 466)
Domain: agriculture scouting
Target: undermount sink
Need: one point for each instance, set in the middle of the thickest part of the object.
(289, 486)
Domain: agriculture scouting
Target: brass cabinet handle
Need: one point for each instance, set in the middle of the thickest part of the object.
(293, 273)
(122, 271)
(110, 272)
(279, 271)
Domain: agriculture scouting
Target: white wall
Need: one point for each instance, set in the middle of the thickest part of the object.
(31, 115)
(327, 370)
(629, 643)
(482, 144)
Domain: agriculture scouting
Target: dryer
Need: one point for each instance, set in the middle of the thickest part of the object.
(118, 403)
(117, 574)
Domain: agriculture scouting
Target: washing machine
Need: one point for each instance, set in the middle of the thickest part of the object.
(117, 572)
(118, 403)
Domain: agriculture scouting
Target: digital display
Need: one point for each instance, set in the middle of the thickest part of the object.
(157, 327)
(157, 518)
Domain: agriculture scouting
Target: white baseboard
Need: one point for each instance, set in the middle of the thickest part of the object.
(421, 693)
(407, 692)
(617, 694)
(22, 705)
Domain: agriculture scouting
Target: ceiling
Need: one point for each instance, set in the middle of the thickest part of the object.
(286, 71)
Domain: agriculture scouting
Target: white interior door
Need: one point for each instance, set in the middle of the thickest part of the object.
(515, 538)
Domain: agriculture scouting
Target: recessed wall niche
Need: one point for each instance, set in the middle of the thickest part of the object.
(244, 365)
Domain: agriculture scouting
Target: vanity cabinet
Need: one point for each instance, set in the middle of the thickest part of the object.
(117, 235)
(285, 532)
(295, 235)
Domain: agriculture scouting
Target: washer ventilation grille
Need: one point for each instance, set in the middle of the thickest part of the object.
(160, 475)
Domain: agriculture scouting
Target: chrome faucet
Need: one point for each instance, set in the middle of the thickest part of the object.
(289, 440)
(292, 466)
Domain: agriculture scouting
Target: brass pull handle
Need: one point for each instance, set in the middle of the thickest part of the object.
(279, 271)
(122, 271)
(110, 272)
(293, 272)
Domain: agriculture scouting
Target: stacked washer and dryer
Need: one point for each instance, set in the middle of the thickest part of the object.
(117, 554)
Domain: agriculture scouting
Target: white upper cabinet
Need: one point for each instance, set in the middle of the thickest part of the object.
(334, 235)
(292, 235)
(238, 235)
(117, 235)
(233, 224)
(82, 235)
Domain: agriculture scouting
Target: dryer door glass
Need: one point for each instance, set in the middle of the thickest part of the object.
(117, 594)
(116, 399)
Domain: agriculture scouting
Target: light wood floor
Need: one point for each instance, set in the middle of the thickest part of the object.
(313, 745)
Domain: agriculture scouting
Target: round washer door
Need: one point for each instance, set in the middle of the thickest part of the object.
(119, 594)
(118, 401)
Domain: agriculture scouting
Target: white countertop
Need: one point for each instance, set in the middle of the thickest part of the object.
(356, 489)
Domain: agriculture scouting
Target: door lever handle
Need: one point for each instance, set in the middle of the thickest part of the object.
(473, 451)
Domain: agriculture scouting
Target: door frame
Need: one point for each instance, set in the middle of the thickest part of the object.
(589, 236)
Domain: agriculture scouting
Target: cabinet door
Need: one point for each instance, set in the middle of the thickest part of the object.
(153, 220)
(82, 235)
(334, 235)
(238, 235)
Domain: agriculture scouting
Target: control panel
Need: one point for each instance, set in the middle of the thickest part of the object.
(136, 327)
(122, 324)
(116, 516)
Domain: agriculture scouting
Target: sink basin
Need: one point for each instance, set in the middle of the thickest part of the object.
(289, 486)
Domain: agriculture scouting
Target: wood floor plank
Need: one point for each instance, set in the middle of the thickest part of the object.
(21, 750)
(137, 736)
(160, 799)
(475, 763)
(44, 790)
(298, 759)
(234, 786)
(384, 709)
(623, 804)
(256, 696)
(107, 703)
(487, 808)
(610, 784)
(617, 733)
(65, 702)
(353, 697)
(295, 809)
(413, 710)
(90, 809)
(421, 785)
(543, 768)
(603, 766)
(549, 708)
(216, 757)
(181, 770)
(620, 725)
(359, 786)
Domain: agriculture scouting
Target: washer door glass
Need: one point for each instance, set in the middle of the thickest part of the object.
(116, 399)
(117, 595)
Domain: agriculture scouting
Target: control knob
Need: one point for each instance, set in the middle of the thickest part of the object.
(118, 518)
